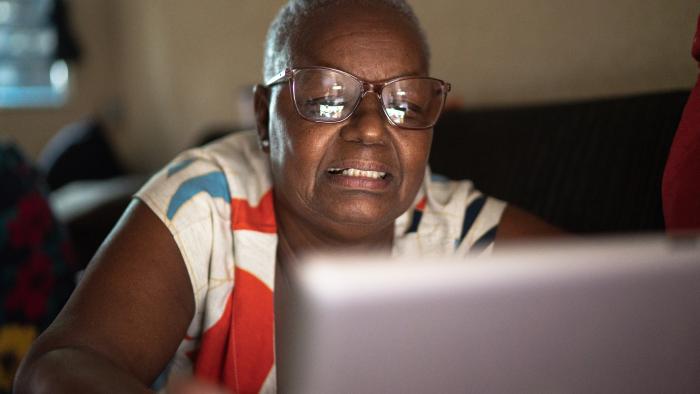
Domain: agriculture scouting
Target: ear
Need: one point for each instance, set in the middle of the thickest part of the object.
(261, 104)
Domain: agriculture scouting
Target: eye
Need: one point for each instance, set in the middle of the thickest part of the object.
(325, 107)
(331, 95)
(406, 106)
(399, 110)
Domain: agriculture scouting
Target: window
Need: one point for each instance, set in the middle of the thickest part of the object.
(30, 74)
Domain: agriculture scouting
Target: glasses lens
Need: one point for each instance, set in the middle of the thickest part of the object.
(413, 102)
(325, 95)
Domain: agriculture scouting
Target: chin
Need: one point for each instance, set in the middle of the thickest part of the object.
(361, 215)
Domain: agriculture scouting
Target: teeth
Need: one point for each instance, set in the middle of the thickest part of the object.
(363, 174)
(357, 173)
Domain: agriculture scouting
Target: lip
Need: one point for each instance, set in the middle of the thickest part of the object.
(361, 183)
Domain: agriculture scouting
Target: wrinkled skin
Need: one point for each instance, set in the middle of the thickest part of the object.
(315, 210)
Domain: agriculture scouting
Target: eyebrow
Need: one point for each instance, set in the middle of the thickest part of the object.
(316, 63)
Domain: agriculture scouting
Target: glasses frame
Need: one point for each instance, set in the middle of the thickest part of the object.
(367, 87)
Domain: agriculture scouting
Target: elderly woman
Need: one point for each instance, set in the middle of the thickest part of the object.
(185, 282)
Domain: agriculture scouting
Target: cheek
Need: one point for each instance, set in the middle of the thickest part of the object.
(283, 146)
(296, 149)
(280, 145)
(413, 155)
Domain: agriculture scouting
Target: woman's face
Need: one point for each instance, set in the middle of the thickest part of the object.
(375, 47)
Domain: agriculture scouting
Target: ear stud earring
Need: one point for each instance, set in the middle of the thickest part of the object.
(265, 143)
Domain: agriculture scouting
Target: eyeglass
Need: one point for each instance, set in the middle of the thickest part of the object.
(327, 95)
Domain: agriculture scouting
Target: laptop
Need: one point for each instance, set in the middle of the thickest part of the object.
(611, 315)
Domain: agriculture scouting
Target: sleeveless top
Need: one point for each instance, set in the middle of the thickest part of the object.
(217, 203)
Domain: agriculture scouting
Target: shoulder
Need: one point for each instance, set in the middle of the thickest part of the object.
(479, 221)
(231, 167)
(448, 217)
(519, 224)
(237, 154)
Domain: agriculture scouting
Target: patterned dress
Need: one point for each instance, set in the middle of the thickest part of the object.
(217, 203)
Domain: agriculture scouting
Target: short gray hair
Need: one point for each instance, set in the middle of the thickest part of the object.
(284, 26)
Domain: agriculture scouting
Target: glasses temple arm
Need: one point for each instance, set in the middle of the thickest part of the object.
(282, 76)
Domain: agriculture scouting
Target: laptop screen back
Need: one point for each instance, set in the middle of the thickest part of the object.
(615, 315)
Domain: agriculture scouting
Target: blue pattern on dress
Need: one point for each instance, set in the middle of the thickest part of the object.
(439, 178)
(484, 241)
(415, 221)
(470, 215)
(213, 183)
(177, 167)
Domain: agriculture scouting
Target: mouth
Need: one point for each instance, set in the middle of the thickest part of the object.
(359, 173)
(354, 174)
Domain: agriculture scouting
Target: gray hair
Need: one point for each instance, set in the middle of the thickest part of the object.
(284, 26)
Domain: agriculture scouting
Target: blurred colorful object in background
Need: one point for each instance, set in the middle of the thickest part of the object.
(37, 263)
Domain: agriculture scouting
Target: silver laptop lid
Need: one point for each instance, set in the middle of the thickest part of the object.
(604, 315)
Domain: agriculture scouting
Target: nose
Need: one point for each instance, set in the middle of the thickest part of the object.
(367, 125)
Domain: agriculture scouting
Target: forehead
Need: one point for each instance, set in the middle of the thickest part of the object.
(375, 44)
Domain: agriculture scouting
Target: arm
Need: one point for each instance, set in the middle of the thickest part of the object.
(124, 321)
(517, 224)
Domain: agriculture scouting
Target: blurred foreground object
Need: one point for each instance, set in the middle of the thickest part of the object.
(594, 315)
(681, 185)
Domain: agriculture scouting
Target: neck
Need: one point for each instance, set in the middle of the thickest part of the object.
(298, 237)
